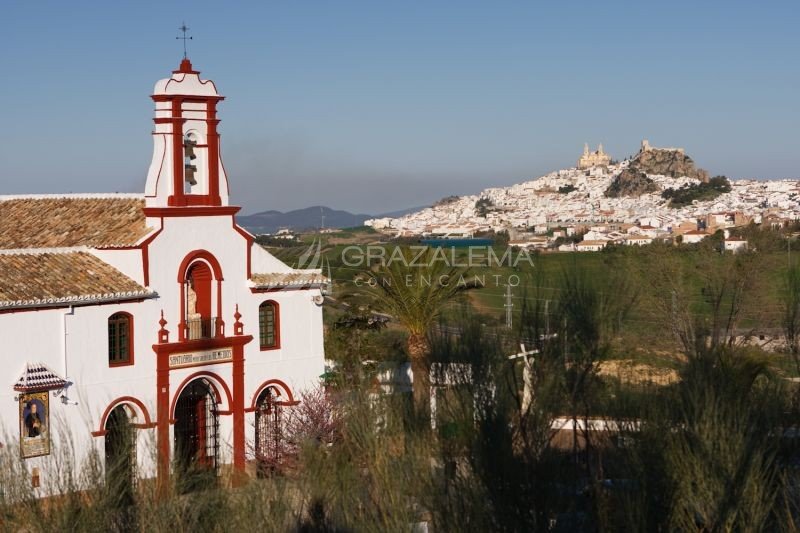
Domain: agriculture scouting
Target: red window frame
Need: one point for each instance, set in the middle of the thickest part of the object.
(120, 339)
(276, 325)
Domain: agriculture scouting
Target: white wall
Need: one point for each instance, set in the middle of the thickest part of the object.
(38, 336)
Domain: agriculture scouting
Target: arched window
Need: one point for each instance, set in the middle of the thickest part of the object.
(198, 301)
(120, 339)
(269, 325)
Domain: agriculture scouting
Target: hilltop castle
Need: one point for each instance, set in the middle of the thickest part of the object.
(647, 148)
(593, 159)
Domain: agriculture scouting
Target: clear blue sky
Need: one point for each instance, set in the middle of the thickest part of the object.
(374, 106)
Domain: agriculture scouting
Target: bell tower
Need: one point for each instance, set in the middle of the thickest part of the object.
(186, 169)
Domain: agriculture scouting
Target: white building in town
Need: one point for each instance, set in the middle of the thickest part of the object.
(590, 246)
(694, 236)
(154, 310)
(735, 245)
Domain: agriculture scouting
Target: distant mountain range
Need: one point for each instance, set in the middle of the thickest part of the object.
(309, 218)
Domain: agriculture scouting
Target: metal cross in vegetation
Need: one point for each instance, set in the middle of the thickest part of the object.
(184, 28)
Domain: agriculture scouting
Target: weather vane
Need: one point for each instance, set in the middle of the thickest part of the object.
(184, 28)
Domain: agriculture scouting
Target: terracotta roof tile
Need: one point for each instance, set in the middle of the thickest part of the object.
(44, 279)
(39, 377)
(61, 222)
(279, 280)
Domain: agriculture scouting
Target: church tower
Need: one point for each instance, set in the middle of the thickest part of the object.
(186, 169)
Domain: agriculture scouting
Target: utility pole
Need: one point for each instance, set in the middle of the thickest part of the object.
(546, 319)
(509, 306)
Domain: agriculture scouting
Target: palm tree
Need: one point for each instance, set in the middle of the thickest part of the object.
(414, 288)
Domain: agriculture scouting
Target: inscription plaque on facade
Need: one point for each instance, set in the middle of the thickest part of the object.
(210, 357)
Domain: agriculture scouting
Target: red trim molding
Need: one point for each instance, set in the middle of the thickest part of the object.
(216, 382)
(204, 255)
(191, 98)
(167, 349)
(125, 400)
(165, 405)
(145, 246)
(177, 153)
(250, 241)
(273, 383)
(191, 211)
(183, 271)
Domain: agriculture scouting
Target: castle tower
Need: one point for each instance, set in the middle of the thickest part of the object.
(186, 169)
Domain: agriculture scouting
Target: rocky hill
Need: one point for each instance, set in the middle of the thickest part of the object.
(668, 162)
(660, 187)
(631, 182)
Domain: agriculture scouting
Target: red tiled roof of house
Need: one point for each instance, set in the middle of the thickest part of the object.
(54, 279)
(70, 221)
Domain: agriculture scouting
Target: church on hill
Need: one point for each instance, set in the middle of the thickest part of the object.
(129, 320)
(598, 158)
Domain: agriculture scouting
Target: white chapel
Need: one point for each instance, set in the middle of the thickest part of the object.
(155, 312)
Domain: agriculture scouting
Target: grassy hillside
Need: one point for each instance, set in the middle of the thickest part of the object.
(699, 283)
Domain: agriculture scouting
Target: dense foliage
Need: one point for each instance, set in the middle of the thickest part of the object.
(482, 206)
(447, 200)
(545, 440)
(699, 191)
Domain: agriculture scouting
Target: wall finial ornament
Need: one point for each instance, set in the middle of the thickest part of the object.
(238, 327)
(163, 334)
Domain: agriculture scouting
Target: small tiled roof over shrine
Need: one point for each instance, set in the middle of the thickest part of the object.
(39, 377)
(40, 279)
(53, 221)
(287, 280)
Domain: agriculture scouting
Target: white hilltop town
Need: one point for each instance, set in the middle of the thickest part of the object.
(573, 204)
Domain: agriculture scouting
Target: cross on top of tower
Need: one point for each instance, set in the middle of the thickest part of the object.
(184, 28)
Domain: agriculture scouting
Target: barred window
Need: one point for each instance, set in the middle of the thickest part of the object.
(268, 325)
(120, 339)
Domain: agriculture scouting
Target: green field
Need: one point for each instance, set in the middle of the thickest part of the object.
(709, 284)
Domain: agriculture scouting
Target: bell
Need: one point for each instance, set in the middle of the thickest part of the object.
(188, 148)
(189, 174)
